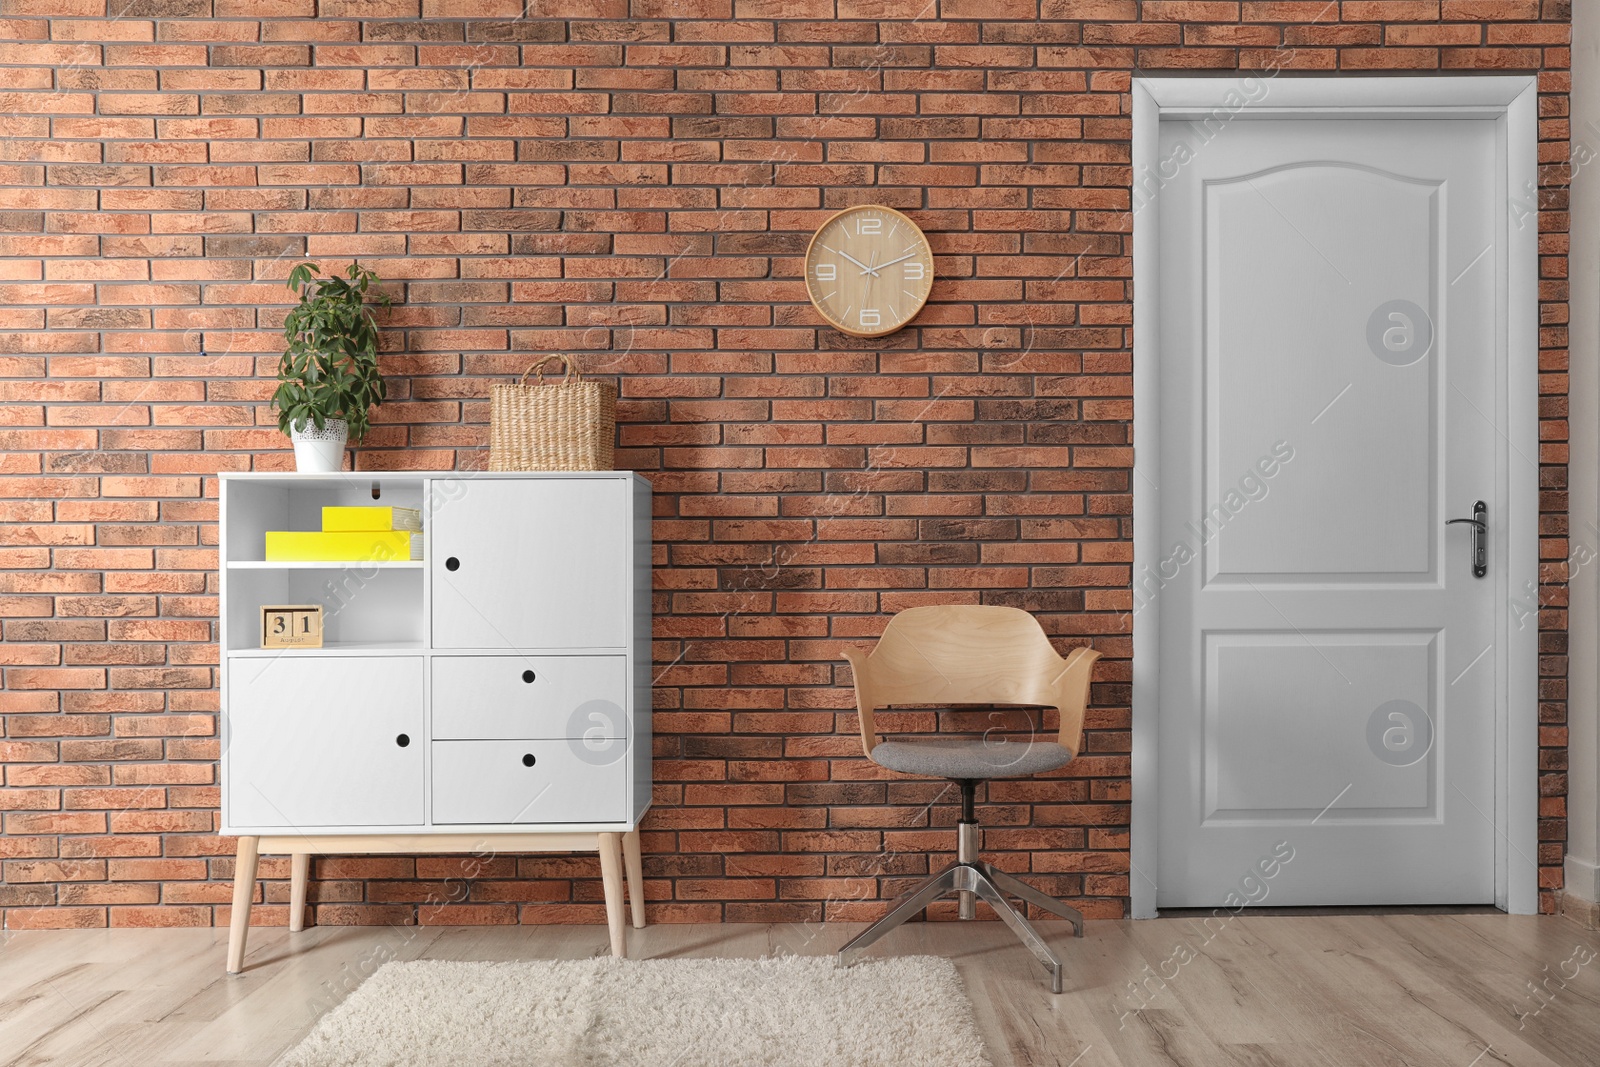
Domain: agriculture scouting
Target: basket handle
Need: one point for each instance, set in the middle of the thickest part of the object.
(573, 373)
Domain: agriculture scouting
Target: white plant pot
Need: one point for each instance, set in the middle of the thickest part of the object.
(320, 451)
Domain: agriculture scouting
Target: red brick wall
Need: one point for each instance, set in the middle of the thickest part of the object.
(634, 180)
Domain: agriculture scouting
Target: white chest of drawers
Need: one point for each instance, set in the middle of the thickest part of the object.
(494, 695)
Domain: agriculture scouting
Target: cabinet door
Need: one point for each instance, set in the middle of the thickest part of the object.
(316, 741)
(530, 781)
(482, 697)
(532, 563)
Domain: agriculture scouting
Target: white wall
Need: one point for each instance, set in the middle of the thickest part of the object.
(1583, 699)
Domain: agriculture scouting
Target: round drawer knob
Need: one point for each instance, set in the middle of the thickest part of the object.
(452, 564)
(403, 740)
(528, 676)
(528, 760)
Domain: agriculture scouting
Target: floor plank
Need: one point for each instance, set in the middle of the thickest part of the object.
(1430, 989)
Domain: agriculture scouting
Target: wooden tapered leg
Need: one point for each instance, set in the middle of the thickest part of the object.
(611, 875)
(299, 876)
(244, 889)
(634, 862)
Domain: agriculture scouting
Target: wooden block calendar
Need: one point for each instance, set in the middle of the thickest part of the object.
(291, 626)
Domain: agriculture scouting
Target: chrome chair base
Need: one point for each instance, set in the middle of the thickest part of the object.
(968, 877)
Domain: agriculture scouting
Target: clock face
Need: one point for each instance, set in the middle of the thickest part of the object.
(869, 270)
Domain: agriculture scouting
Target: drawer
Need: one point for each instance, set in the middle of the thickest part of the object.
(530, 781)
(551, 697)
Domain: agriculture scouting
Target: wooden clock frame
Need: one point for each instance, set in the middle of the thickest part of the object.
(812, 296)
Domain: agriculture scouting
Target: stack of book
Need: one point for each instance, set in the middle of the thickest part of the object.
(352, 535)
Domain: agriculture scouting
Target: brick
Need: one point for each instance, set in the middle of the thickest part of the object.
(54, 918)
(55, 678)
(261, 56)
(1489, 9)
(171, 915)
(164, 8)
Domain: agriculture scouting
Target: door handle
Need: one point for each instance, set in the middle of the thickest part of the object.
(1480, 531)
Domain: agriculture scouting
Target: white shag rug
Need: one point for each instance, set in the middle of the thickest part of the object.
(785, 1011)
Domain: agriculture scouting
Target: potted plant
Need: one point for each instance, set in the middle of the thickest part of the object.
(328, 379)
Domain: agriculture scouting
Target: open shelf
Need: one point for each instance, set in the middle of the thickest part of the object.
(252, 506)
(380, 607)
(323, 565)
(370, 607)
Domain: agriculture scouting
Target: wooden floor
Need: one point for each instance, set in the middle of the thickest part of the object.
(1341, 990)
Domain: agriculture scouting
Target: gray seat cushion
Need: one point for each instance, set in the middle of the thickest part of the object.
(974, 758)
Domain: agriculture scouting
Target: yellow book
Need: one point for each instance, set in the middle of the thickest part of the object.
(365, 519)
(372, 546)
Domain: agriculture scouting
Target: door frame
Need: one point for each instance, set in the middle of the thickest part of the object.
(1213, 103)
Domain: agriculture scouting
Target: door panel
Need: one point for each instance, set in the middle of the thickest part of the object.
(568, 540)
(1268, 761)
(313, 741)
(1330, 345)
(1322, 247)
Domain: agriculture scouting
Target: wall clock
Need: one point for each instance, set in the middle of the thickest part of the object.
(868, 270)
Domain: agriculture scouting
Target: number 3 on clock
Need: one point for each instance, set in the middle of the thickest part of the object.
(869, 270)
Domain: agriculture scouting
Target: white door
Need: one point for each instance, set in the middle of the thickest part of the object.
(326, 741)
(1331, 339)
(532, 563)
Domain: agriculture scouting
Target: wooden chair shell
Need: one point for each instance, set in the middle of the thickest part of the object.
(971, 654)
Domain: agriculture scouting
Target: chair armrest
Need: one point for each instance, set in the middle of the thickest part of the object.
(1072, 696)
(864, 705)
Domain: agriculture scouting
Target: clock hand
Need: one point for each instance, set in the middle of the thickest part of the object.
(892, 262)
(854, 260)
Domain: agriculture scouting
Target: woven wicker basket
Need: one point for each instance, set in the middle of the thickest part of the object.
(566, 425)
